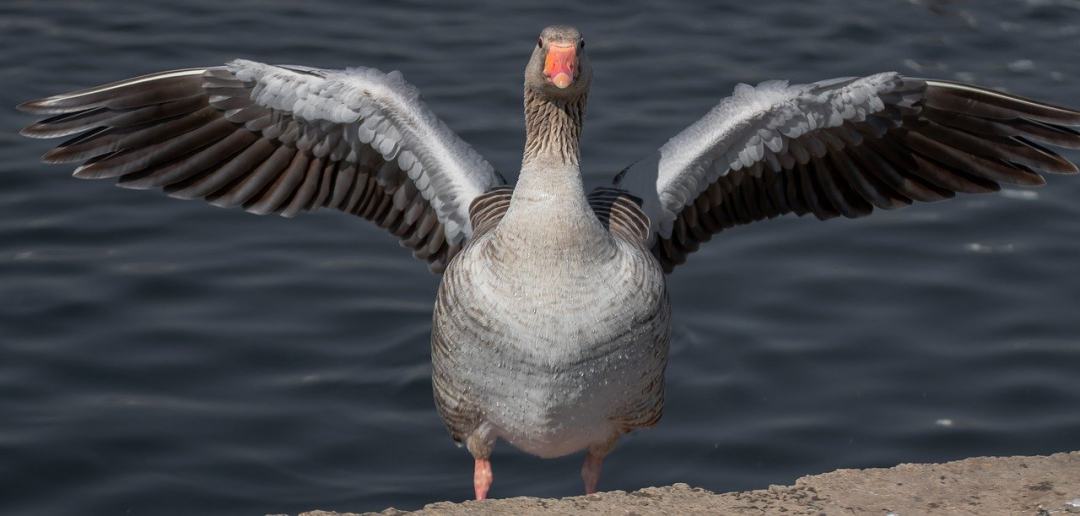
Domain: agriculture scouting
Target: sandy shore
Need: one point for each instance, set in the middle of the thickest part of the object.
(1036, 486)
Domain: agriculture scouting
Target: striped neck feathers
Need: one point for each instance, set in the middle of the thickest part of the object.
(553, 128)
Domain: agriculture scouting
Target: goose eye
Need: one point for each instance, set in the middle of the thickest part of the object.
(540, 43)
(581, 44)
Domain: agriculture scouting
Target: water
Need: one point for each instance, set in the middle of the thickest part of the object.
(167, 357)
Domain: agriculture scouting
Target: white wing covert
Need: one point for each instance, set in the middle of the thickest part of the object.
(279, 139)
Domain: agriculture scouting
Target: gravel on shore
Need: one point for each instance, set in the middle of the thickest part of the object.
(1036, 486)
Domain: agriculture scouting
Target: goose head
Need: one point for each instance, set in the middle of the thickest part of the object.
(559, 68)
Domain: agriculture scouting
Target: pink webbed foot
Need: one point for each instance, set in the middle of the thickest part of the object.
(590, 472)
(482, 478)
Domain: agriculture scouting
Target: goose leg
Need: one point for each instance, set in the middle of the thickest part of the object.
(590, 472)
(594, 460)
(480, 444)
(482, 478)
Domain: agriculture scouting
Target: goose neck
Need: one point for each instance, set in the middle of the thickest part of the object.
(552, 128)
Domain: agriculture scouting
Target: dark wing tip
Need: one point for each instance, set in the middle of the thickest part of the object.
(1004, 104)
(82, 99)
(29, 131)
(26, 107)
(39, 130)
(52, 105)
(36, 106)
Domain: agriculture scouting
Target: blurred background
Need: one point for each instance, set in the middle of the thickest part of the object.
(169, 357)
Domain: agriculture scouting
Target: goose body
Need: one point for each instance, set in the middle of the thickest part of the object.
(547, 327)
(551, 325)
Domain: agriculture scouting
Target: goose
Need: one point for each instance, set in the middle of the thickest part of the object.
(551, 324)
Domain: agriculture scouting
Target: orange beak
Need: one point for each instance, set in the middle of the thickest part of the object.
(560, 64)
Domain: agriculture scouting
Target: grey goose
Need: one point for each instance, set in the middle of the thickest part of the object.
(552, 321)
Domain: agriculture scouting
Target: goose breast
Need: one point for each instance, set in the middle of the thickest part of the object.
(552, 360)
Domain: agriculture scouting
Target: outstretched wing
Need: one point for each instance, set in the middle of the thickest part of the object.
(841, 147)
(278, 139)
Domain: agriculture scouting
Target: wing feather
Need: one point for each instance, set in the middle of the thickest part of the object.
(842, 147)
(274, 139)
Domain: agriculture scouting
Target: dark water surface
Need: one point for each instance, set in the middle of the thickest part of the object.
(168, 357)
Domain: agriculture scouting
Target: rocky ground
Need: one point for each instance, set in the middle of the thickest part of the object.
(1036, 486)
